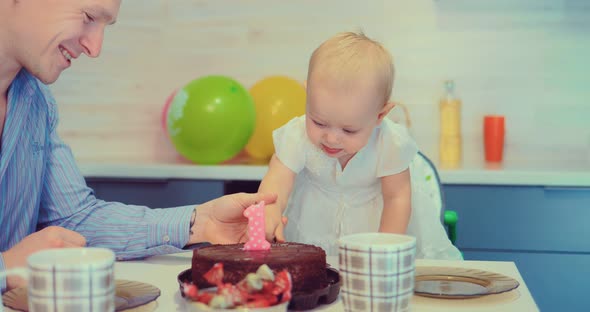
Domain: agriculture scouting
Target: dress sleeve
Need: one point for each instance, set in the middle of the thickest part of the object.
(290, 142)
(396, 149)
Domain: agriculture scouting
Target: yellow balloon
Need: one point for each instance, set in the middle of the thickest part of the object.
(278, 99)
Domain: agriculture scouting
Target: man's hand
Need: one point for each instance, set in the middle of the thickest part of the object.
(50, 237)
(221, 221)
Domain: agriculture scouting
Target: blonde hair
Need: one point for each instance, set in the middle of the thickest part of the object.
(350, 55)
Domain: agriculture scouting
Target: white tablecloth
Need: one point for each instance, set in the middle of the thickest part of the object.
(162, 271)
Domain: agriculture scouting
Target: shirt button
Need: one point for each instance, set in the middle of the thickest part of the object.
(166, 238)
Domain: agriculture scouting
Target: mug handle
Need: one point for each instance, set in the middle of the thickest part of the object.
(22, 272)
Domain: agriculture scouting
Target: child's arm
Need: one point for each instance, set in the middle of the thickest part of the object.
(278, 180)
(397, 203)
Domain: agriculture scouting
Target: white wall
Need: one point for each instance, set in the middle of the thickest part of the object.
(526, 59)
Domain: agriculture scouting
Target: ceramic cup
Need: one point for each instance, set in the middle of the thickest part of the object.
(493, 132)
(69, 279)
(377, 271)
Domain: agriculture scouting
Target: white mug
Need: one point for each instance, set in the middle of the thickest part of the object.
(69, 279)
(377, 271)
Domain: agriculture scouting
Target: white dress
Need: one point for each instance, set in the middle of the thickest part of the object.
(327, 202)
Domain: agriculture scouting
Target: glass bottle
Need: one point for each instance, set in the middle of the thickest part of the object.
(450, 145)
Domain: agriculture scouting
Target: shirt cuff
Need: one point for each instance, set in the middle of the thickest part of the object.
(2, 279)
(169, 226)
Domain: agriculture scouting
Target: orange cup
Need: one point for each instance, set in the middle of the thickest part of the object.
(493, 134)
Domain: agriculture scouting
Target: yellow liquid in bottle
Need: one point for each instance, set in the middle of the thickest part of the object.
(450, 148)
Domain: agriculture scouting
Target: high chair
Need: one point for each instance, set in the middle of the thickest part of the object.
(432, 225)
(426, 176)
(431, 181)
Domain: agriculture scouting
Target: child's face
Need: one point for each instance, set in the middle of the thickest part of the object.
(339, 119)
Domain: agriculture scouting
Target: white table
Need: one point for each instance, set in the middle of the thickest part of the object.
(162, 271)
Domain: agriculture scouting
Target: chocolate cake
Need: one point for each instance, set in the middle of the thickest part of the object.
(306, 263)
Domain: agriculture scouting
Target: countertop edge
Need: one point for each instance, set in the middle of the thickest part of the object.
(553, 178)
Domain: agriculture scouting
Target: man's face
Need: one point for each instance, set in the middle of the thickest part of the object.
(49, 34)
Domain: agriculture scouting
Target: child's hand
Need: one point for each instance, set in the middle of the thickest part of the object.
(274, 224)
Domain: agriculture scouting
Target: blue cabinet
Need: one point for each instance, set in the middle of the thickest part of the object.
(557, 281)
(544, 230)
(156, 193)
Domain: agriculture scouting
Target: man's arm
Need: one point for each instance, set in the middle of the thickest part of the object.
(131, 231)
(2, 268)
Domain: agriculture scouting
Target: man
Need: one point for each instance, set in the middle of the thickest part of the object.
(44, 200)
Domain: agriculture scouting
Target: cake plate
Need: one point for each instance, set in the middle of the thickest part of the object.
(300, 301)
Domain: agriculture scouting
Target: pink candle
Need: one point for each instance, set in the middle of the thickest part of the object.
(256, 234)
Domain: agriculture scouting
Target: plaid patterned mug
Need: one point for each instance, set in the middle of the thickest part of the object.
(377, 271)
(69, 279)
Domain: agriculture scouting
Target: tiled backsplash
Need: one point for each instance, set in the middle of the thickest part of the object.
(526, 59)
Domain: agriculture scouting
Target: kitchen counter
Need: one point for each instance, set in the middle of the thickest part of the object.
(540, 167)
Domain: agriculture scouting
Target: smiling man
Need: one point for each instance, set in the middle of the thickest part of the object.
(44, 200)
(45, 36)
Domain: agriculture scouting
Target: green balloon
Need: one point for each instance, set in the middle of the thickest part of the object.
(211, 119)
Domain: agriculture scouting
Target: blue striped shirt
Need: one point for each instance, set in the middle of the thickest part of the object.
(40, 185)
